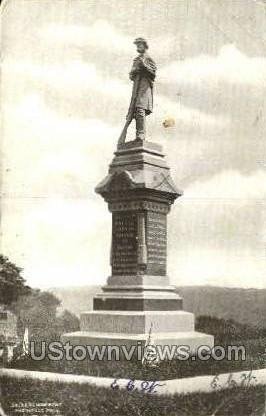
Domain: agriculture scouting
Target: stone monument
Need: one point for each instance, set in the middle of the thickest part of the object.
(139, 192)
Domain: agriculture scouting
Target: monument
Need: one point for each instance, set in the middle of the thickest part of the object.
(139, 192)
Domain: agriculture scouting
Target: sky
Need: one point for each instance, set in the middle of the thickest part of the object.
(64, 97)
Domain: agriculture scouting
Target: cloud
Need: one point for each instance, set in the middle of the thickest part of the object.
(61, 151)
(217, 232)
(230, 185)
(79, 79)
(69, 76)
(230, 65)
(227, 209)
(190, 117)
(100, 34)
(217, 267)
(57, 241)
(103, 36)
(53, 224)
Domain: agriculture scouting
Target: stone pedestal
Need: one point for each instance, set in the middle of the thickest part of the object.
(139, 191)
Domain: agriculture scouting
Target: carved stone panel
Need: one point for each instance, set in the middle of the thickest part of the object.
(124, 243)
(156, 239)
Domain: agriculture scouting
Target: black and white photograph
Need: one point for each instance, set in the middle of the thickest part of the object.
(133, 208)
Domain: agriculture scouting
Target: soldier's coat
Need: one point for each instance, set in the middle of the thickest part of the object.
(142, 73)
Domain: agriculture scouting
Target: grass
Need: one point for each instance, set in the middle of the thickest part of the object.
(165, 370)
(85, 400)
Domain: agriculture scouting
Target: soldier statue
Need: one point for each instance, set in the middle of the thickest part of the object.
(142, 74)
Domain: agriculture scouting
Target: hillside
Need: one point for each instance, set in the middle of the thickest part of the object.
(242, 305)
(76, 299)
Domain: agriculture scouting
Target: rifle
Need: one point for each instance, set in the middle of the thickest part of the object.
(130, 115)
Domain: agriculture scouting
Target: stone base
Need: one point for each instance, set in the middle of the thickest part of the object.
(141, 299)
(132, 322)
(191, 339)
(138, 297)
(118, 328)
(125, 316)
(148, 293)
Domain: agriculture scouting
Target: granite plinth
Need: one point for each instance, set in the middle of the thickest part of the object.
(138, 300)
(132, 322)
(191, 339)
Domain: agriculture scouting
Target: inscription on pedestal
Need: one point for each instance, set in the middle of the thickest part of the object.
(156, 243)
(124, 243)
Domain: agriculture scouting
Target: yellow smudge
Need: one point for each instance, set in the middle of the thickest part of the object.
(169, 122)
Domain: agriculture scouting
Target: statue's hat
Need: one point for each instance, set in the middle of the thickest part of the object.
(141, 40)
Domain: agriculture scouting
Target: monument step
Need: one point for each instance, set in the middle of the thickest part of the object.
(192, 339)
(145, 294)
(139, 153)
(139, 288)
(138, 301)
(137, 322)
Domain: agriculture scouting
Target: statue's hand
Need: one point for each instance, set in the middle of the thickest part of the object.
(141, 61)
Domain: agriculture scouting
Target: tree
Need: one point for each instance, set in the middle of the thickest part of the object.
(67, 322)
(12, 284)
(227, 330)
(37, 311)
